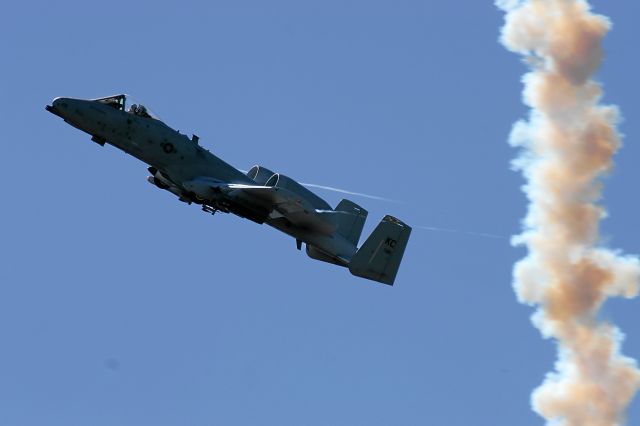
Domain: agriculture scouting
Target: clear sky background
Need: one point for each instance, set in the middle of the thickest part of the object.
(121, 306)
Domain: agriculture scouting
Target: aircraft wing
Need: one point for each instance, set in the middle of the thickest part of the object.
(284, 203)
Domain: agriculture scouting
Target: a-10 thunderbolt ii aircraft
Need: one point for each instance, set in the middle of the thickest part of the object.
(180, 165)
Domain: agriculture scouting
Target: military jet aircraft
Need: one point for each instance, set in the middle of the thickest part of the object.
(181, 166)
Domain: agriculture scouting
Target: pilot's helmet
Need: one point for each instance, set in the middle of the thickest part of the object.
(133, 108)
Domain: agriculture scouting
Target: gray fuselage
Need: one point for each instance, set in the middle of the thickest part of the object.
(181, 160)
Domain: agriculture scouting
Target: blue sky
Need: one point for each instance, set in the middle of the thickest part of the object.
(121, 306)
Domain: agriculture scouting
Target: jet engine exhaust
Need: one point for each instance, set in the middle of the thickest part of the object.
(566, 146)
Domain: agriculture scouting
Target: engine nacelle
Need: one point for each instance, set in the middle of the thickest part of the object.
(260, 174)
(281, 181)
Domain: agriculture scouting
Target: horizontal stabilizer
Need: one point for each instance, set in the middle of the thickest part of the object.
(379, 257)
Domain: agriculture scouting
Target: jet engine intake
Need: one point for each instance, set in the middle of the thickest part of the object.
(260, 174)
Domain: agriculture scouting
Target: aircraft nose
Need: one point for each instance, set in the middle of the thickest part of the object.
(59, 107)
(60, 103)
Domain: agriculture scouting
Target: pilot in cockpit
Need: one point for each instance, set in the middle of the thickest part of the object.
(139, 110)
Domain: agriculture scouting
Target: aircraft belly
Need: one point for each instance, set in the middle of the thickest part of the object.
(333, 244)
(153, 147)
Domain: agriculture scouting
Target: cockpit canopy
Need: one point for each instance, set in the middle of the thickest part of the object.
(119, 102)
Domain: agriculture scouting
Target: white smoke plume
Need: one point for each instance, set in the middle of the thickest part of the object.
(567, 146)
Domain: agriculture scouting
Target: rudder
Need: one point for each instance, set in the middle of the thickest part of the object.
(351, 223)
(379, 257)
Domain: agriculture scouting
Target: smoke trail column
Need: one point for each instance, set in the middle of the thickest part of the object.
(567, 145)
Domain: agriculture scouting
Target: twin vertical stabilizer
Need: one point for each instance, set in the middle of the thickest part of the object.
(379, 257)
